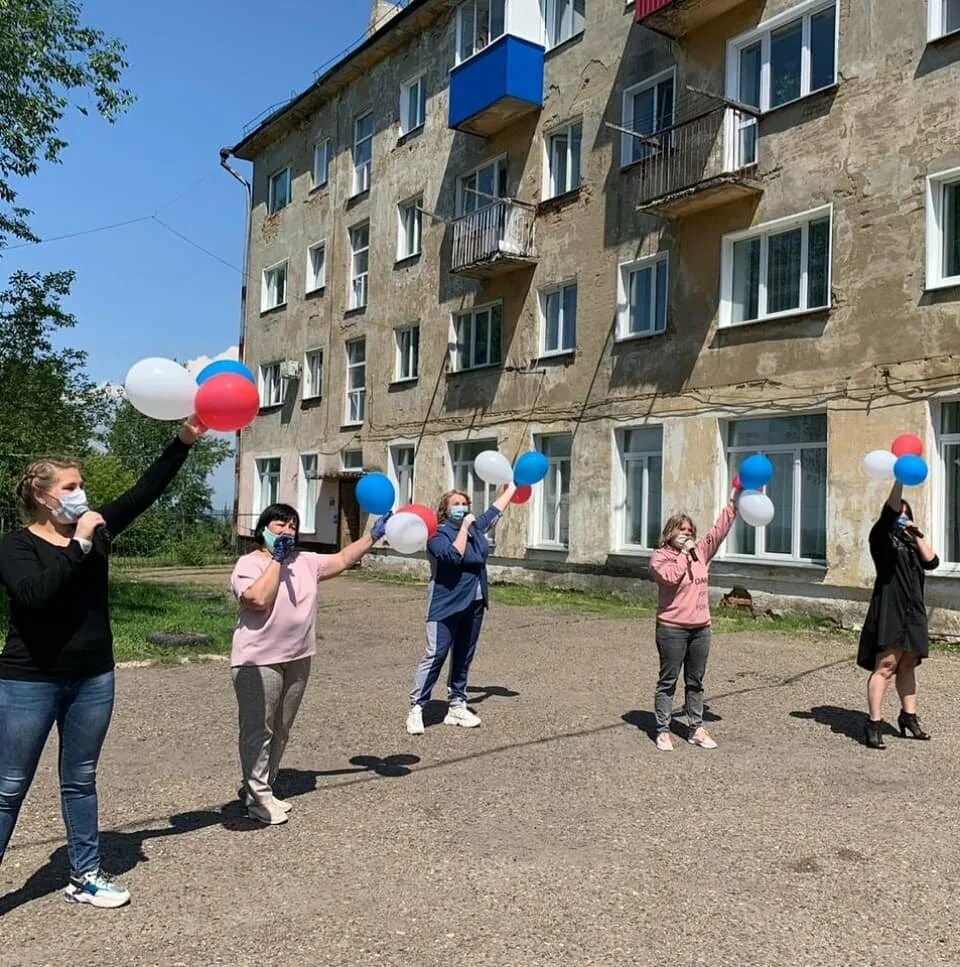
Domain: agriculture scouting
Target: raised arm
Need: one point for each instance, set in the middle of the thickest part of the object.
(896, 495)
(710, 543)
(333, 565)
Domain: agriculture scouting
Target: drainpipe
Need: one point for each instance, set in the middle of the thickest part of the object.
(224, 163)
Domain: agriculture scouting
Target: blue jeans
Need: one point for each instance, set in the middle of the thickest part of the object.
(458, 633)
(82, 710)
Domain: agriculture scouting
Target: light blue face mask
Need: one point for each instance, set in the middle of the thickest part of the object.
(457, 514)
(902, 521)
(269, 539)
(73, 506)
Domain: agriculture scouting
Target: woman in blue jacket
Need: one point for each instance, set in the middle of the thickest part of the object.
(457, 597)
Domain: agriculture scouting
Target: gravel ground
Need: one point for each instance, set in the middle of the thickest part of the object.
(554, 834)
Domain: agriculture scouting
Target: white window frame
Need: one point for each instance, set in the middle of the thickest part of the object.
(935, 228)
(500, 165)
(465, 464)
(459, 364)
(472, 6)
(359, 294)
(628, 121)
(641, 457)
(568, 328)
(937, 20)
(343, 459)
(412, 208)
(305, 481)
(268, 288)
(552, 189)
(763, 232)
(260, 471)
(398, 472)
(321, 162)
(359, 393)
(554, 469)
(407, 369)
(311, 391)
(316, 280)
(409, 124)
(272, 206)
(624, 308)
(362, 170)
(939, 467)
(271, 385)
(568, 31)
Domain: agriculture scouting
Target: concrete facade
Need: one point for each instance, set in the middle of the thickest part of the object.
(882, 358)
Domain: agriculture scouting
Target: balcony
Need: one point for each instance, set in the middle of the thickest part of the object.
(700, 163)
(494, 240)
(497, 86)
(675, 18)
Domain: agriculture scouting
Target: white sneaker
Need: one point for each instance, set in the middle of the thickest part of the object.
(283, 804)
(461, 715)
(664, 742)
(96, 888)
(270, 813)
(415, 721)
(245, 800)
(702, 739)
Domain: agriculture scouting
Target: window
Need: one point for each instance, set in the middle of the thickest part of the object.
(413, 105)
(408, 352)
(271, 385)
(356, 381)
(321, 163)
(359, 265)
(564, 19)
(316, 266)
(401, 470)
(648, 107)
(479, 22)
(949, 443)
(478, 338)
(558, 308)
(278, 191)
(352, 459)
(273, 292)
(943, 17)
(462, 455)
(408, 238)
(943, 229)
(563, 159)
(642, 297)
(313, 374)
(308, 492)
(362, 152)
(266, 484)
(775, 269)
(483, 187)
(553, 516)
(797, 448)
(641, 477)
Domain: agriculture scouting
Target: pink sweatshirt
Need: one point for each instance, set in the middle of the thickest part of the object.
(288, 631)
(683, 582)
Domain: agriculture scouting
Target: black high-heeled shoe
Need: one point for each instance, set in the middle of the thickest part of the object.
(910, 721)
(873, 734)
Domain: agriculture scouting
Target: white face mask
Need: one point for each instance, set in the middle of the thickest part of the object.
(72, 507)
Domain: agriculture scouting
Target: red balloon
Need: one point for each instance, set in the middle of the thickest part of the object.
(907, 444)
(227, 402)
(522, 495)
(425, 514)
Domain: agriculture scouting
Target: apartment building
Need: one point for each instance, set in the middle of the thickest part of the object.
(646, 238)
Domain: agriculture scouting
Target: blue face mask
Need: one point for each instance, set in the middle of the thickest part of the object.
(269, 539)
(72, 507)
(456, 514)
(902, 521)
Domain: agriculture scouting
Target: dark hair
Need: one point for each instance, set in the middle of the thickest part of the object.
(906, 508)
(281, 512)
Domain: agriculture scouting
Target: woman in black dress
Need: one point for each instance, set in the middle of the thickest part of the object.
(894, 637)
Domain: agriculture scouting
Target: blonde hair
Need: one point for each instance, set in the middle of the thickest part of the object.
(673, 525)
(40, 476)
(444, 504)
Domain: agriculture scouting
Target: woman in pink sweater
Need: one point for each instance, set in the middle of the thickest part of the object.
(680, 568)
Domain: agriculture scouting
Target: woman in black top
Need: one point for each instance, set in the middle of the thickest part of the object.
(894, 637)
(57, 663)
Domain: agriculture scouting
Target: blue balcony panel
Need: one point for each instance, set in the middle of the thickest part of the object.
(496, 87)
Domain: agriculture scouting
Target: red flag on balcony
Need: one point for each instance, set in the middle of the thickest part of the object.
(647, 7)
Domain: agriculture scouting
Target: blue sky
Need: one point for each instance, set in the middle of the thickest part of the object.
(201, 70)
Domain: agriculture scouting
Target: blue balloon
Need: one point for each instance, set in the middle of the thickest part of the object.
(530, 469)
(910, 470)
(375, 493)
(755, 472)
(219, 366)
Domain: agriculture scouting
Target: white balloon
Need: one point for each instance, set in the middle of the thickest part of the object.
(493, 467)
(755, 508)
(161, 389)
(406, 533)
(879, 464)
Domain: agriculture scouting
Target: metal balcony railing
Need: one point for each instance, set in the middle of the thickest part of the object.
(502, 231)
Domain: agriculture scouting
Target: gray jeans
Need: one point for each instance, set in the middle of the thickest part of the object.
(268, 697)
(687, 647)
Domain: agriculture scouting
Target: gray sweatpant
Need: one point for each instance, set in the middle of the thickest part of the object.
(268, 697)
(689, 648)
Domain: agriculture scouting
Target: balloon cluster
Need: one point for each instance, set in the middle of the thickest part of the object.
(224, 395)
(903, 461)
(755, 507)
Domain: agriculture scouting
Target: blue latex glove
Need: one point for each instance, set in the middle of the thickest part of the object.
(282, 548)
(380, 526)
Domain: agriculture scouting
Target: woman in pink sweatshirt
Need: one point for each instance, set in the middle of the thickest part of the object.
(680, 568)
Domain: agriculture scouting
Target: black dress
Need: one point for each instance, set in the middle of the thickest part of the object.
(896, 619)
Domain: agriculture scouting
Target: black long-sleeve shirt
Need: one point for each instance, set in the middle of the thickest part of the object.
(59, 625)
